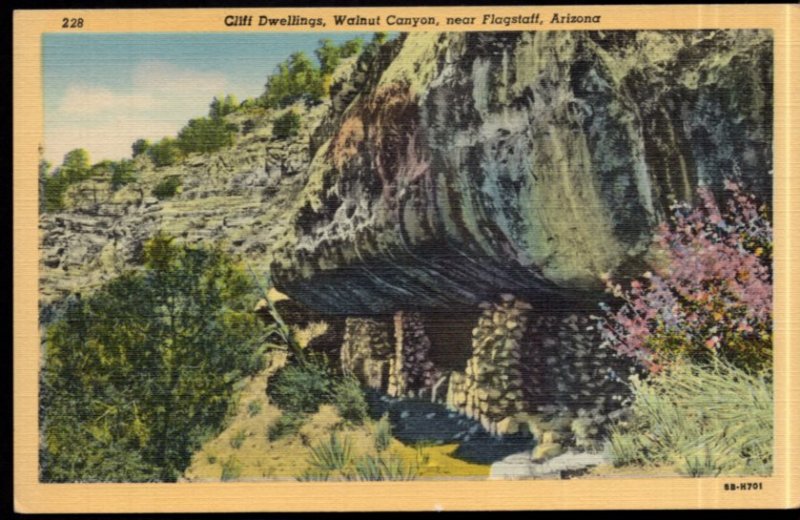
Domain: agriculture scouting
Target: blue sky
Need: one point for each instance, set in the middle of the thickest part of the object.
(104, 91)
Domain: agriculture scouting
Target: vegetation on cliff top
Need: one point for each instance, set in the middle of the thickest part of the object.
(298, 78)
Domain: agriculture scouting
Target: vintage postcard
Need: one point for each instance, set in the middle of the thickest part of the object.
(429, 259)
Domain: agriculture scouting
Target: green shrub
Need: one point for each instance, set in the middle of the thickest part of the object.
(165, 152)
(704, 419)
(351, 47)
(126, 392)
(297, 78)
(328, 55)
(348, 397)
(288, 423)
(286, 126)
(75, 168)
(205, 135)
(380, 37)
(231, 469)
(53, 189)
(167, 188)
(253, 408)
(139, 147)
(76, 165)
(238, 439)
(383, 433)
(122, 173)
(301, 388)
(221, 107)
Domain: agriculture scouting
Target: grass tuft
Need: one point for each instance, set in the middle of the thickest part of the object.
(238, 439)
(231, 469)
(287, 423)
(332, 455)
(383, 433)
(384, 467)
(704, 419)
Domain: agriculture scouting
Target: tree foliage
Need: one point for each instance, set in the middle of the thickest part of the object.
(75, 168)
(328, 55)
(380, 37)
(137, 375)
(165, 152)
(122, 172)
(139, 147)
(351, 47)
(205, 134)
(76, 165)
(297, 78)
(221, 107)
(167, 187)
(52, 186)
(301, 388)
(288, 125)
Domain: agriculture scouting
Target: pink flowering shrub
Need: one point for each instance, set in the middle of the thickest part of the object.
(709, 292)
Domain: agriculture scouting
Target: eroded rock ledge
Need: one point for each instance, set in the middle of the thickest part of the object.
(477, 163)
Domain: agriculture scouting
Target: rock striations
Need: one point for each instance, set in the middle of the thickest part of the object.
(528, 162)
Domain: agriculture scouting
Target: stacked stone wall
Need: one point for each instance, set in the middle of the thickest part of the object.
(411, 371)
(573, 380)
(366, 351)
(491, 388)
(531, 370)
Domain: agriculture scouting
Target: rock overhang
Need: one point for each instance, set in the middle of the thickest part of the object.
(530, 163)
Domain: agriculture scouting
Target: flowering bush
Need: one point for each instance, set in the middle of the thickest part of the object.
(710, 291)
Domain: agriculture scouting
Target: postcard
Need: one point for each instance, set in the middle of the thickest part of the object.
(406, 259)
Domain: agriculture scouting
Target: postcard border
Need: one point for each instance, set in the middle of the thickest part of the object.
(780, 491)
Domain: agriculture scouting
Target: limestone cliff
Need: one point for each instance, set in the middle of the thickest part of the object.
(528, 162)
(235, 197)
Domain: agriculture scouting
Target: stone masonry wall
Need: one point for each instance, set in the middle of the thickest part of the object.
(490, 389)
(366, 351)
(411, 370)
(547, 374)
(572, 380)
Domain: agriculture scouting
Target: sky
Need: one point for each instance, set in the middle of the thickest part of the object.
(104, 91)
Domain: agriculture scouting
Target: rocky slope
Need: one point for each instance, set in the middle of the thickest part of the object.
(522, 162)
(236, 197)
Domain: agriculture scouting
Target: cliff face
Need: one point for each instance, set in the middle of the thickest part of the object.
(476, 163)
(236, 198)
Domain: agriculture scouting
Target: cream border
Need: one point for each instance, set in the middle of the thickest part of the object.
(782, 490)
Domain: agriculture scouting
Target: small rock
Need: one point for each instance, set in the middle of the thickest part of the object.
(546, 451)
